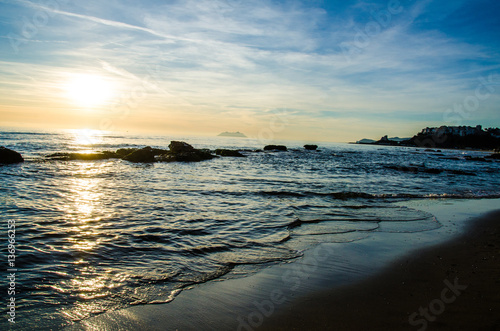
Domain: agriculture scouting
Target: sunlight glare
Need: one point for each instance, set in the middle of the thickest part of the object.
(89, 91)
(87, 136)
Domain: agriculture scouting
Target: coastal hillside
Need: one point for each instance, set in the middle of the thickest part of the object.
(459, 137)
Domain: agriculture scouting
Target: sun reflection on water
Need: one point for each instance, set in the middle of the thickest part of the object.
(84, 212)
(87, 137)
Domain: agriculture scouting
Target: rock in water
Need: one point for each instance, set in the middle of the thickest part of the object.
(183, 152)
(177, 147)
(8, 156)
(122, 152)
(83, 156)
(275, 148)
(311, 147)
(228, 152)
(146, 155)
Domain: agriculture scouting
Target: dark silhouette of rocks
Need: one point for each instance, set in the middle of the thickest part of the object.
(122, 152)
(275, 148)
(143, 155)
(177, 147)
(228, 152)
(311, 147)
(463, 137)
(458, 137)
(365, 141)
(386, 141)
(495, 156)
(178, 152)
(83, 156)
(8, 156)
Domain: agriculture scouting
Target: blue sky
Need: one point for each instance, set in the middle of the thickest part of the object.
(315, 70)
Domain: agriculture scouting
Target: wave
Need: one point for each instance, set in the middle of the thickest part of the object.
(8, 133)
(347, 195)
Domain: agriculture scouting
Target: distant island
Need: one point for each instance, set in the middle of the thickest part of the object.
(232, 134)
(463, 137)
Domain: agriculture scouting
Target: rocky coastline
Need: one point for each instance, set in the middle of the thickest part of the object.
(444, 137)
(180, 151)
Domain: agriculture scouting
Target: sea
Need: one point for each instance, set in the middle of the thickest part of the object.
(98, 236)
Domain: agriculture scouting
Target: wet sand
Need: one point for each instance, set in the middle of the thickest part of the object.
(353, 286)
(452, 286)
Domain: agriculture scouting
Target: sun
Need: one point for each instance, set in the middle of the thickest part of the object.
(89, 91)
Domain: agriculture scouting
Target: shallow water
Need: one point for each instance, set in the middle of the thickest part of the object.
(96, 236)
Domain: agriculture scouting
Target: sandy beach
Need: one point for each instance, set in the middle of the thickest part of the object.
(374, 284)
(452, 286)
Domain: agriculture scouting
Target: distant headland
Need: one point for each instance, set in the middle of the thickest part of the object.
(459, 137)
(232, 134)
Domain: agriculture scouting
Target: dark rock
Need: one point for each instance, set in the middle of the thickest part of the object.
(178, 152)
(275, 148)
(228, 152)
(311, 147)
(8, 156)
(145, 155)
(83, 156)
(183, 152)
(177, 147)
(194, 156)
(386, 141)
(122, 152)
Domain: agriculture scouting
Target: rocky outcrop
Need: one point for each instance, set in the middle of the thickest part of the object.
(83, 156)
(122, 152)
(228, 152)
(275, 148)
(483, 141)
(178, 147)
(178, 151)
(311, 147)
(8, 156)
(143, 155)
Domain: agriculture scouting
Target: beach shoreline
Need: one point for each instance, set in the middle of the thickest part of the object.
(451, 286)
(273, 297)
